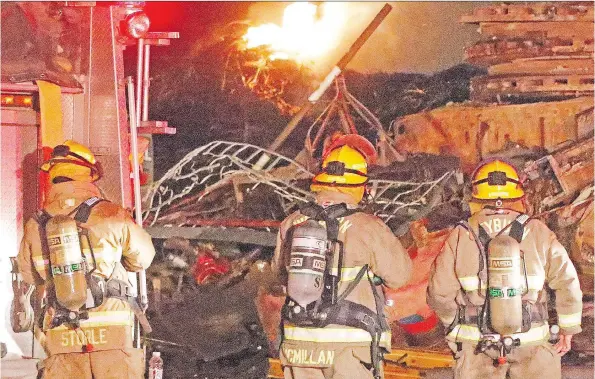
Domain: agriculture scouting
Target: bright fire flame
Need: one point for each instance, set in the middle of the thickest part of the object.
(304, 34)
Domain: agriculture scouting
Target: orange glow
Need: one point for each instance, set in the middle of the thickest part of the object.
(307, 32)
(16, 101)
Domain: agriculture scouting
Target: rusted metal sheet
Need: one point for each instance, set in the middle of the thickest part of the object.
(541, 29)
(582, 250)
(494, 51)
(526, 88)
(472, 132)
(536, 12)
(578, 65)
(539, 51)
(563, 174)
(574, 166)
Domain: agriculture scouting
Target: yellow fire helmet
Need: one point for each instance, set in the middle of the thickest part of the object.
(344, 169)
(74, 161)
(496, 180)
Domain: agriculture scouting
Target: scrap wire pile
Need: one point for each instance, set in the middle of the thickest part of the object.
(198, 183)
(267, 76)
(215, 166)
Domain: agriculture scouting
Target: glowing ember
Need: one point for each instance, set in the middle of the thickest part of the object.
(308, 32)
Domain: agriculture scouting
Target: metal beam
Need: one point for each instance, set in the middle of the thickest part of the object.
(240, 235)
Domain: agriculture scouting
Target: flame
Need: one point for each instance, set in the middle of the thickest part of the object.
(307, 32)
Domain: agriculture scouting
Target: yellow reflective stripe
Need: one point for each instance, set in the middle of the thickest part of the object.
(344, 225)
(471, 333)
(569, 320)
(386, 339)
(296, 333)
(349, 274)
(105, 318)
(299, 220)
(535, 282)
(41, 263)
(469, 283)
(465, 333)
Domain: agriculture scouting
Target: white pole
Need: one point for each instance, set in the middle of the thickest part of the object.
(142, 279)
(139, 82)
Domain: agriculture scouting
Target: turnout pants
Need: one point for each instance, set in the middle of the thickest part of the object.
(347, 363)
(105, 364)
(524, 362)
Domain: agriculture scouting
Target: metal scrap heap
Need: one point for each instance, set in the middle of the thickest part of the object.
(535, 51)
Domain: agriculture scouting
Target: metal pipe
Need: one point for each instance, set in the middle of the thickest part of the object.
(340, 66)
(146, 83)
(139, 81)
(142, 278)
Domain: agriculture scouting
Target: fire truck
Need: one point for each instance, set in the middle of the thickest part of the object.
(63, 77)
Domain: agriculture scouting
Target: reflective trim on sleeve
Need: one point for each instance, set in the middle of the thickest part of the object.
(349, 274)
(296, 333)
(386, 339)
(465, 333)
(40, 263)
(105, 318)
(469, 283)
(569, 320)
(535, 282)
(470, 333)
(299, 220)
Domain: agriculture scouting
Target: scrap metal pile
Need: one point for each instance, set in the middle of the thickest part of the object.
(218, 182)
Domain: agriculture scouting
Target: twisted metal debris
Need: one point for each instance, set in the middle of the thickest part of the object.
(216, 165)
(219, 164)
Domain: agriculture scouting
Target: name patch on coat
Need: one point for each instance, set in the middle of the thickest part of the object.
(309, 357)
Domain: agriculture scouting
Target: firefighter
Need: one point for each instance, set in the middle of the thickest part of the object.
(94, 341)
(333, 322)
(488, 285)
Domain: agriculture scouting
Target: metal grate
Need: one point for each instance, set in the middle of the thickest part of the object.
(217, 165)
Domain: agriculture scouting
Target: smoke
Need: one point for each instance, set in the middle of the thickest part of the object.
(415, 37)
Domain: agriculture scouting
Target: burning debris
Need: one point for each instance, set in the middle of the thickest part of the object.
(270, 58)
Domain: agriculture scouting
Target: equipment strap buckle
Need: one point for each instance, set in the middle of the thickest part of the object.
(366, 319)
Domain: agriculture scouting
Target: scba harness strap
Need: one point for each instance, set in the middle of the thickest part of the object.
(332, 307)
(100, 289)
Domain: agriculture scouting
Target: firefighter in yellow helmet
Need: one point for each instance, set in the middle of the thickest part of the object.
(78, 250)
(488, 285)
(327, 256)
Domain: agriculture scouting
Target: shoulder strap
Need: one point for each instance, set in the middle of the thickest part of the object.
(83, 211)
(42, 217)
(329, 215)
(517, 227)
(483, 235)
(479, 241)
(311, 209)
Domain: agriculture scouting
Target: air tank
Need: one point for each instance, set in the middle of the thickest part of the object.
(67, 263)
(307, 263)
(505, 281)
